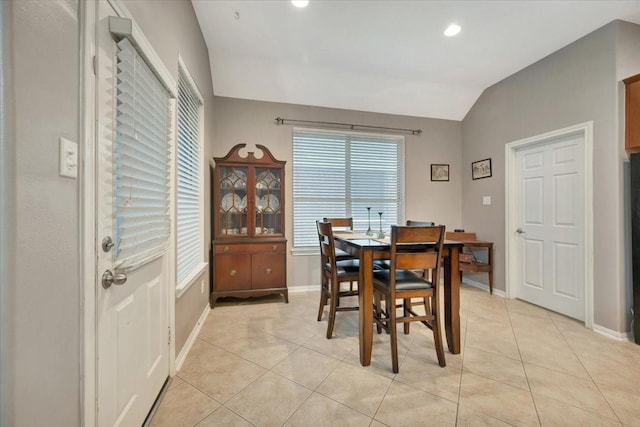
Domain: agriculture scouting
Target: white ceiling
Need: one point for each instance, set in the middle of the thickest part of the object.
(387, 56)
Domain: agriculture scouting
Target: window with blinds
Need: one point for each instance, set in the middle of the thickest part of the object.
(189, 234)
(340, 174)
(141, 167)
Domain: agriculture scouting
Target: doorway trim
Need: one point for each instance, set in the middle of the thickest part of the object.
(585, 130)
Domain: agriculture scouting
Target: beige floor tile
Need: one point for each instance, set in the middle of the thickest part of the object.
(493, 337)
(320, 411)
(217, 372)
(355, 387)
(269, 401)
(495, 367)
(469, 418)
(421, 370)
(568, 389)
(222, 417)
(585, 378)
(293, 329)
(381, 352)
(625, 405)
(338, 347)
(175, 381)
(495, 399)
(263, 349)
(550, 351)
(306, 367)
(406, 406)
(183, 405)
(519, 306)
(555, 413)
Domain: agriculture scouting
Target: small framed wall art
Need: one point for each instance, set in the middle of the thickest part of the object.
(439, 172)
(481, 169)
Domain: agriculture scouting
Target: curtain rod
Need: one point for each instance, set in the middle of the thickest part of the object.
(281, 121)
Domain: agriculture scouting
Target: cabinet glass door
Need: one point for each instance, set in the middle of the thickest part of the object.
(268, 197)
(233, 200)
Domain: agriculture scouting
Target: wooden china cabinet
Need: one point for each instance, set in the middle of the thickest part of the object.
(247, 209)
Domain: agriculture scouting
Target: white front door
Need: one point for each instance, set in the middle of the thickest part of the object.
(132, 318)
(550, 225)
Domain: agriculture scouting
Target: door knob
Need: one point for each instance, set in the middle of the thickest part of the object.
(109, 278)
(520, 231)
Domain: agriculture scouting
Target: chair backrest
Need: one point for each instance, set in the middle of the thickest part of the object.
(416, 248)
(411, 223)
(341, 223)
(327, 245)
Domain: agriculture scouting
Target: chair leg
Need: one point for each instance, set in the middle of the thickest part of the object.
(490, 282)
(406, 306)
(323, 297)
(377, 300)
(394, 335)
(333, 305)
(437, 336)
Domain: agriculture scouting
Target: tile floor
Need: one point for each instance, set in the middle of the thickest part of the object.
(266, 363)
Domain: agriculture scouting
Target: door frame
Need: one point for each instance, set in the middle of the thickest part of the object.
(512, 267)
(88, 214)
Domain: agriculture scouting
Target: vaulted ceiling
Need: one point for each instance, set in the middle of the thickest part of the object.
(387, 56)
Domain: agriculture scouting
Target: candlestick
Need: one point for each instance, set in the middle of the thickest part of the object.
(381, 233)
(369, 231)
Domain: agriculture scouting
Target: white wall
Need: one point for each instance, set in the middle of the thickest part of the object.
(242, 121)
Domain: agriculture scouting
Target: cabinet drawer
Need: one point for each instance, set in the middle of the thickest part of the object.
(249, 248)
(232, 272)
(268, 271)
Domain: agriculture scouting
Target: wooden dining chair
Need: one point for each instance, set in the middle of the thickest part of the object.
(333, 273)
(343, 224)
(412, 249)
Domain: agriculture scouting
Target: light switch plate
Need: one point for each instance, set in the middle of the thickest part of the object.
(486, 200)
(68, 163)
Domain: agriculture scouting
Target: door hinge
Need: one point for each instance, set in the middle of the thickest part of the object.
(93, 64)
(169, 340)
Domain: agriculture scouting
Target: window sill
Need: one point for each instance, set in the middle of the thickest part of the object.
(186, 283)
(304, 251)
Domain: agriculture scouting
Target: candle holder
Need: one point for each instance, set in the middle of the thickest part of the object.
(369, 231)
(380, 233)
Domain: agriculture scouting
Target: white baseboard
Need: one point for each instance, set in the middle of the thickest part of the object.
(307, 288)
(192, 338)
(618, 336)
(484, 287)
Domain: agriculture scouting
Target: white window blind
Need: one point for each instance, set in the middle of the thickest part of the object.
(189, 235)
(340, 175)
(141, 208)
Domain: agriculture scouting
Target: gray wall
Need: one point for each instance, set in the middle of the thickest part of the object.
(573, 85)
(241, 121)
(46, 312)
(46, 295)
(7, 215)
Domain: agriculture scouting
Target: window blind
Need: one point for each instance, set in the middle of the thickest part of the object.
(141, 169)
(340, 175)
(189, 235)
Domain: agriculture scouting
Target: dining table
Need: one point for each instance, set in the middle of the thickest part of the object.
(370, 248)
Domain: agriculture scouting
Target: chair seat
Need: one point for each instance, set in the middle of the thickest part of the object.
(340, 254)
(405, 280)
(344, 267)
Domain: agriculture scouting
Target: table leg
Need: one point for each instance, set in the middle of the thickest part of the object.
(452, 300)
(365, 302)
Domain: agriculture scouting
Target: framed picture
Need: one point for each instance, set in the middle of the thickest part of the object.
(481, 169)
(439, 172)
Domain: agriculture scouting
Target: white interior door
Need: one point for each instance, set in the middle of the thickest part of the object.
(550, 225)
(132, 317)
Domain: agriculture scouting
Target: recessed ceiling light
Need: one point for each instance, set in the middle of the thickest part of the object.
(452, 30)
(300, 3)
